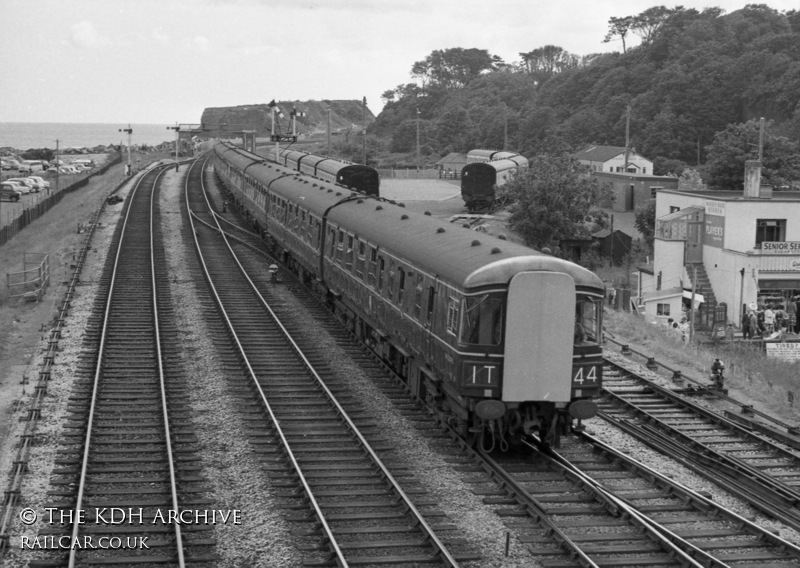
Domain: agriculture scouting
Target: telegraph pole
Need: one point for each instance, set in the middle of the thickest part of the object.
(417, 140)
(329, 130)
(58, 167)
(365, 131)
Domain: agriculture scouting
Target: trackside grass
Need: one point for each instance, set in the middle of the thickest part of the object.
(750, 376)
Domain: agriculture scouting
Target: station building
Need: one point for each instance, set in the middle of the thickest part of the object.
(741, 248)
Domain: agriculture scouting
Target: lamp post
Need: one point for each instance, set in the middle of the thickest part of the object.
(128, 131)
(177, 129)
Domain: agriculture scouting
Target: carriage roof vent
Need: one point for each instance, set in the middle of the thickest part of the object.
(403, 217)
(330, 190)
(496, 250)
(475, 243)
(338, 193)
(359, 201)
(502, 237)
(465, 225)
(379, 208)
(428, 213)
(440, 230)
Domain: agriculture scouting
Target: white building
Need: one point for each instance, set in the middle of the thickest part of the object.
(612, 159)
(743, 246)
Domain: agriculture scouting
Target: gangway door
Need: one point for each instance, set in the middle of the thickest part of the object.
(540, 331)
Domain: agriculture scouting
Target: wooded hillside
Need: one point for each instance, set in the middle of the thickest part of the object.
(689, 76)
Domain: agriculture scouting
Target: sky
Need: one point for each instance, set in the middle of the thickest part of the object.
(164, 61)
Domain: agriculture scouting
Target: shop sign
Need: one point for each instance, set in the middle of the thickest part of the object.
(715, 231)
(781, 247)
(715, 208)
(789, 352)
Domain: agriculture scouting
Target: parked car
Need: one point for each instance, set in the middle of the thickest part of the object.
(86, 163)
(10, 164)
(36, 185)
(43, 184)
(25, 183)
(8, 193)
(22, 189)
(33, 165)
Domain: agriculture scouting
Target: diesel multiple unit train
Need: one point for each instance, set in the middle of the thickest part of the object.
(486, 170)
(500, 340)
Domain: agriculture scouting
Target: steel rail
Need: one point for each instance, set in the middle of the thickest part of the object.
(443, 552)
(790, 428)
(95, 386)
(667, 538)
(787, 492)
(733, 515)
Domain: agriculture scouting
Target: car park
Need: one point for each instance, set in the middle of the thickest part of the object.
(35, 184)
(8, 192)
(25, 183)
(10, 164)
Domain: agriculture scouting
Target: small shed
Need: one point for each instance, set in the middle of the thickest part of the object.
(613, 245)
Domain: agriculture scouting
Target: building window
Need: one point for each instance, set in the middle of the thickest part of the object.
(673, 209)
(654, 190)
(770, 230)
(662, 309)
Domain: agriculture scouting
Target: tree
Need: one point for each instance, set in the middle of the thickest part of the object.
(544, 62)
(645, 221)
(619, 27)
(554, 200)
(739, 143)
(454, 67)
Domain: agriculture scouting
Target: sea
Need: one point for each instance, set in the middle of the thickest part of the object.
(27, 135)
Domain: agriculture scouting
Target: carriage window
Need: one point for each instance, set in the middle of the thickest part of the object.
(483, 320)
(401, 286)
(431, 296)
(587, 320)
(418, 302)
(348, 257)
(381, 267)
(360, 260)
(452, 316)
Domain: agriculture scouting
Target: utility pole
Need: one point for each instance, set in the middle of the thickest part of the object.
(365, 131)
(417, 140)
(761, 140)
(691, 309)
(505, 127)
(58, 167)
(329, 130)
(627, 137)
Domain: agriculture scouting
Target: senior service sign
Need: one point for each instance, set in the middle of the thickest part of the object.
(781, 247)
(715, 223)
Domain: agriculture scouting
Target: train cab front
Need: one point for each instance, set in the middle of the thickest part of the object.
(587, 358)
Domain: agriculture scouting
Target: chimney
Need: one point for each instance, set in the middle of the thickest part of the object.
(752, 178)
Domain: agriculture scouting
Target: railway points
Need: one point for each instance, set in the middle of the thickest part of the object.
(491, 546)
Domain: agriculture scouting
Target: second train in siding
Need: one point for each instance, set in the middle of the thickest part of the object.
(357, 177)
(486, 170)
(500, 340)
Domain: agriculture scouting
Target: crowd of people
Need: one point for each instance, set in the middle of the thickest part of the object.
(771, 321)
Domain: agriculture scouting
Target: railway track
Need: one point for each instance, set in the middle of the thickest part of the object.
(750, 465)
(672, 526)
(315, 438)
(610, 510)
(129, 463)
